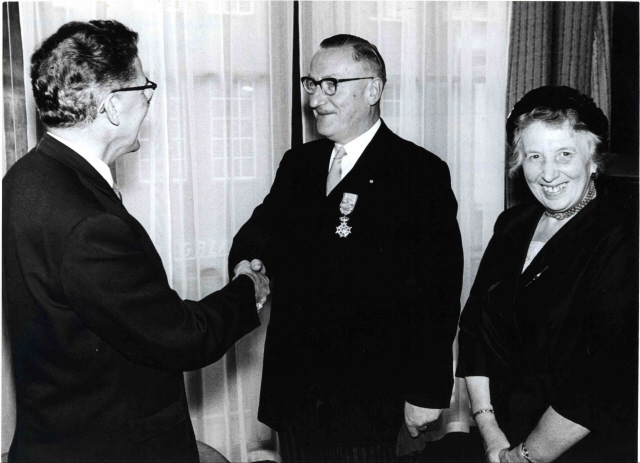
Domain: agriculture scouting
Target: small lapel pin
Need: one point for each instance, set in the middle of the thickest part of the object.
(536, 277)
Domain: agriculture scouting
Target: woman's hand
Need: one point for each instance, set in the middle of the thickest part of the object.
(495, 442)
(494, 450)
(511, 456)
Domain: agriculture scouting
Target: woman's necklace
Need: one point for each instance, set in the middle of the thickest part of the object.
(591, 193)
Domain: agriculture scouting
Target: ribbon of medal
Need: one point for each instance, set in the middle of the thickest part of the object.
(347, 205)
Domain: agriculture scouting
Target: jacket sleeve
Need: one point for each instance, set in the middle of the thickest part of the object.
(435, 258)
(472, 358)
(253, 238)
(114, 287)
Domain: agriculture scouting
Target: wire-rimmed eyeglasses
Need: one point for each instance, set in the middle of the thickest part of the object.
(328, 85)
(148, 88)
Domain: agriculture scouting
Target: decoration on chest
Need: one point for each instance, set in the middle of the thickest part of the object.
(347, 205)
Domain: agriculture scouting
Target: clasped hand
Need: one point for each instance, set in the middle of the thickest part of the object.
(510, 456)
(257, 272)
(498, 451)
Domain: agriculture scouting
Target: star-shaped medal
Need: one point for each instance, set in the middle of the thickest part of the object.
(343, 229)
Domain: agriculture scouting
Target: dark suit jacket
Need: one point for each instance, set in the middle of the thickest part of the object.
(563, 332)
(366, 319)
(99, 339)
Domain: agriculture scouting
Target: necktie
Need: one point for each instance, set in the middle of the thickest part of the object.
(116, 189)
(335, 173)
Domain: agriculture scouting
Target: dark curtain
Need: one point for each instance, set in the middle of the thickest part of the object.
(15, 113)
(624, 93)
(558, 43)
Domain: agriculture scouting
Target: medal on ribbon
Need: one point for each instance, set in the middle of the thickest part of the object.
(347, 205)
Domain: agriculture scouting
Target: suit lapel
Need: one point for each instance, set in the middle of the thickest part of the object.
(549, 257)
(517, 238)
(520, 239)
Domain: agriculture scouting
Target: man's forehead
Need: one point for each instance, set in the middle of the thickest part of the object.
(139, 68)
(330, 62)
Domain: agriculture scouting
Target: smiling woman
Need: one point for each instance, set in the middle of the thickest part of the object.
(556, 296)
(557, 164)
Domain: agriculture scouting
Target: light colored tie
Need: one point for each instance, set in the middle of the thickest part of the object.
(335, 173)
(116, 189)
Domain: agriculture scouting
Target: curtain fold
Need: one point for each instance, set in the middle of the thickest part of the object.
(14, 139)
(446, 68)
(217, 127)
(13, 87)
(558, 43)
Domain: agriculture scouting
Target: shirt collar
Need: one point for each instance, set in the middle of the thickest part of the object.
(357, 146)
(97, 164)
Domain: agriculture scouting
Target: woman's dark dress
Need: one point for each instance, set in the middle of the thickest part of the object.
(563, 333)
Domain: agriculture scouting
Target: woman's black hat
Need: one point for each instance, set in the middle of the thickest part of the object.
(561, 98)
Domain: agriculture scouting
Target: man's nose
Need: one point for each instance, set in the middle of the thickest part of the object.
(317, 98)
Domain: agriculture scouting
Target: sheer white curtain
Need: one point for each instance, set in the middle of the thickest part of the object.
(446, 69)
(219, 122)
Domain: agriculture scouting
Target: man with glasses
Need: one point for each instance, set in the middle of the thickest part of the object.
(99, 339)
(360, 238)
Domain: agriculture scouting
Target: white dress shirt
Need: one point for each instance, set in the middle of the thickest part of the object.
(97, 164)
(355, 148)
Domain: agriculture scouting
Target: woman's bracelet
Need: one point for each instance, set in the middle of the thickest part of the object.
(525, 453)
(484, 410)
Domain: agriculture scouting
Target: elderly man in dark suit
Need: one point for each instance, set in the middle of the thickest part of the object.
(99, 339)
(360, 237)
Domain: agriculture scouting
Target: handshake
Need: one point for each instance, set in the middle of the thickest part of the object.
(257, 272)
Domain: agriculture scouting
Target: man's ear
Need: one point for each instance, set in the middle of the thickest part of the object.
(375, 91)
(110, 107)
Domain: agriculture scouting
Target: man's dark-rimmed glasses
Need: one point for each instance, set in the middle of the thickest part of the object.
(151, 86)
(329, 85)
